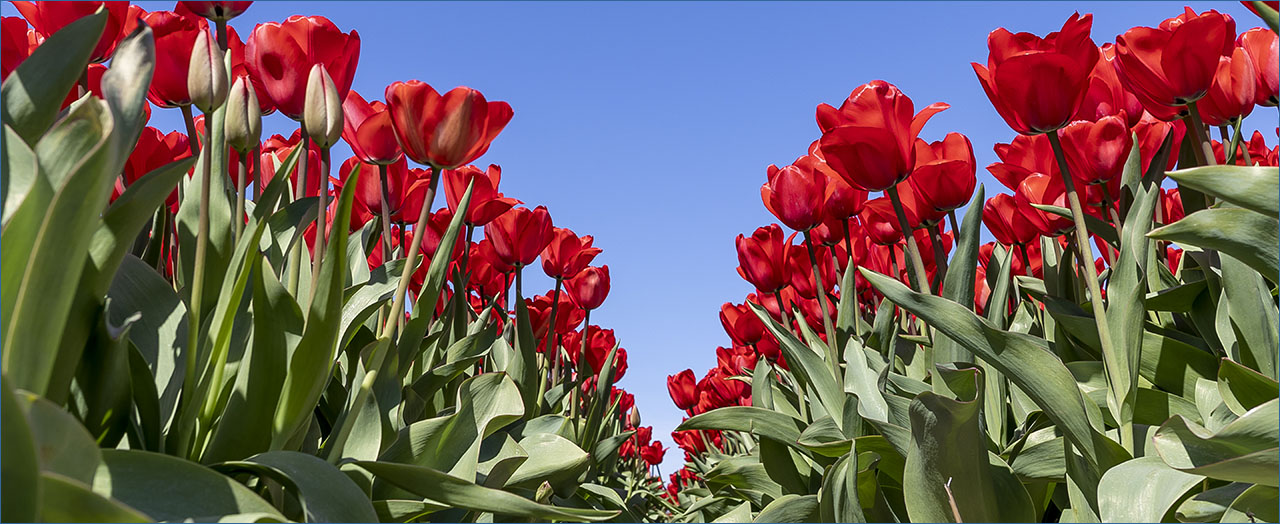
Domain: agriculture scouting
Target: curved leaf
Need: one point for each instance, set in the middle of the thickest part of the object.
(169, 488)
(326, 494)
(1250, 187)
(33, 93)
(1141, 490)
(66, 500)
(1241, 233)
(757, 421)
(1245, 450)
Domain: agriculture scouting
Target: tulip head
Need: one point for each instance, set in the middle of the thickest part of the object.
(796, 194)
(244, 116)
(207, 74)
(217, 11)
(446, 131)
(589, 289)
(322, 114)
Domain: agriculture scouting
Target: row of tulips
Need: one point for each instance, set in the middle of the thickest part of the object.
(891, 367)
(313, 347)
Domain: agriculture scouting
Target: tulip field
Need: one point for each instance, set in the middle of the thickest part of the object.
(217, 324)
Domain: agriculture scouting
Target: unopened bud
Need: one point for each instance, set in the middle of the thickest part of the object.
(543, 495)
(322, 114)
(244, 116)
(635, 417)
(207, 74)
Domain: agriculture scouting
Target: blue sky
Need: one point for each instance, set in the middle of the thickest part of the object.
(650, 125)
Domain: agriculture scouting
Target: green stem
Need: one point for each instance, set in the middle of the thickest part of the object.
(197, 294)
(322, 218)
(241, 172)
(386, 213)
(833, 356)
(1204, 153)
(580, 361)
(915, 270)
(939, 255)
(299, 191)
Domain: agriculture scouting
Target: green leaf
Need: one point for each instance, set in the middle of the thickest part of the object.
(757, 421)
(21, 172)
(1251, 187)
(1241, 233)
(740, 513)
(1208, 506)
(169, 488)
(1255, 504)
(1242, 451)
(19, 468)
(1095, 225)
(33, 93)
(959, 281)
(1243, 389)
(552, 458)
(790, 508)
(369, 297)
(326, 494)
(1252, 313)
(838, 499)
(62, 444)
(806, 364)
(745, 474)
(125, 85)
(67, 500)
(440, 487)
(1142, 490)
(160, 334)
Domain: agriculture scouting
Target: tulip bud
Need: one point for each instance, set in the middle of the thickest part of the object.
(543, 495)
(322, 113)
(635, 417)
(244, 116)
(207, 75)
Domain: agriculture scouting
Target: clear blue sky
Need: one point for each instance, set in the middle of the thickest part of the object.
(649, 125)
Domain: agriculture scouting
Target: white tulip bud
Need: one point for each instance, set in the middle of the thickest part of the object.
(207, 74)
(322, 114)
(244, 116)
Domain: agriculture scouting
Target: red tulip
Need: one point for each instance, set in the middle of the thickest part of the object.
(762, 259)
(1263, 47)
(1171, 205)
(599, 343)
(1152, 133)
(15, 45)
(175, 37)
(981, 291)
(945, 172)
(683, 389)
(366, 127)
(276, 149)
(1045, 190)
(221, 11)
(653, 453)
(736, 360)
(589, 289)
(369, 185)
(1232, 94)
(239, 69)
(1260, 153)
(1173, 257)
(843, 201)
(1107, 96)
(567, 254)
(568, 316)
(280, 56)
(1192, 44)
(870, 140)
(1037, 84)
(488, 271)
(444, 131)
(742, 324)
(1022, 157)
(153, 150)
(880, 222)
(1006, 222)
(1096, 151)
(486, 202)
(48, 17)
(796, 193)
(520, 234)
(802, 272)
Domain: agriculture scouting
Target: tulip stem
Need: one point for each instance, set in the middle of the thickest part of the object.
(386, 213)
(955, 227)
(1085, 260)
(833, 356)
(257, 174)
(322, 218)
(916, 271)
(551, 331)
(299, 191)
(782, 309)
(1237, 139)
(1205, 156)
(939, 255)
(397, 305)
(578, 362)
(190, 120)
(241, 172)
(850, 266)
(1026, 260)
(197, 293)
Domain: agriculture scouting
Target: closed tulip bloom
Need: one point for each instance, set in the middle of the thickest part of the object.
(48, 17)
(1006, 222)
(520, 234)
(207, 74)
(741, 324)
(880, 222)
(217, 11)
(175, 38)
(437, 226)
(795, 194)
(239, 69)
(280, 55)
(870, 140)
(367, 128)
(1263, 48)
(762, 258)
(683, 389)
(1232, 94)
(14, 44)
(802, 272)
(1044, 190)
(1152, 133)
(1107, 95)
(1037, 84)
(1023, 156)
(1192, 44)
(244, 117)
(589, 289)
(445, 131)
(946, 172)
(567, 254)
(1096, 151)
(653, 453)
(486, 202)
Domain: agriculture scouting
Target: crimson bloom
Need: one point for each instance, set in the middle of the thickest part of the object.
(366, 127)
(742, 324)
(486, 202)
(153, 150)
(437, 226)
(279, 55)
(567, 254)
(221, 11)
(175, 36)
(401, 182)
(1191, 43)
(653, 453)
(1044, 190)
(1006, 222)
(1263, 47)
(945, 173)
(1152, 133)
(683, 389)
(1096, 151)
(48, 17)
(796, 194)
(520, 234)
(1037, 84)
(1232, 94)
(762, 258)
(1020, 158)
(445, 131)
(870, 140)
(589, 289)
(1107, 95)
(880, 222)
(15, 45)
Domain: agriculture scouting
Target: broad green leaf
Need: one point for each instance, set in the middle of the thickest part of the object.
(62, 444)
(1255, 504)
(19, 468)
(838, 498)
(1208, 506)
(359, 306)
(790, 508)
(1242, 451)
(440, 487)
(1250, 187)
(552, 458)
(33, 93)
(1243, 389)
(806, 364)
(745, 474)
(1142, 490)
(160, 334)
(21, 173)
(740, 513)
(958, 284)
(190, 491)
(1252, 314)
(825, 438)
(125, 85)
(326, 494)
(756, 421)
(64, 499)
(861, 381)
(1241, 233)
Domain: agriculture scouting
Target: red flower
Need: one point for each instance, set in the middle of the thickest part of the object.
(653, 453)
(1232, 93)
(48, 17)
(880, 222)
(1096, 151)
(488, 271)
(366, 127)
(762, 259)
(683, 389)
(1263, 47)
(175, 36)
(1045, 190)
(870, 140)
(796, 193)
(153, 150)
(280, 56)
(1171, 205)
(802, 272)
(945, 172)
(589, 289)
(217, 10)
(276, 149)
(1006, 222)
(737, 360)
(742, 325)
(843, 200)
(444, 131)
(1022, 157)
(568, 315)
(236, 48)
(1152, 134)
(369, 186)
(567, 254)
(520, 234)
(1192, 43)
(486, 202)
(1107, 96)
(1037, 84)
(15, 46)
